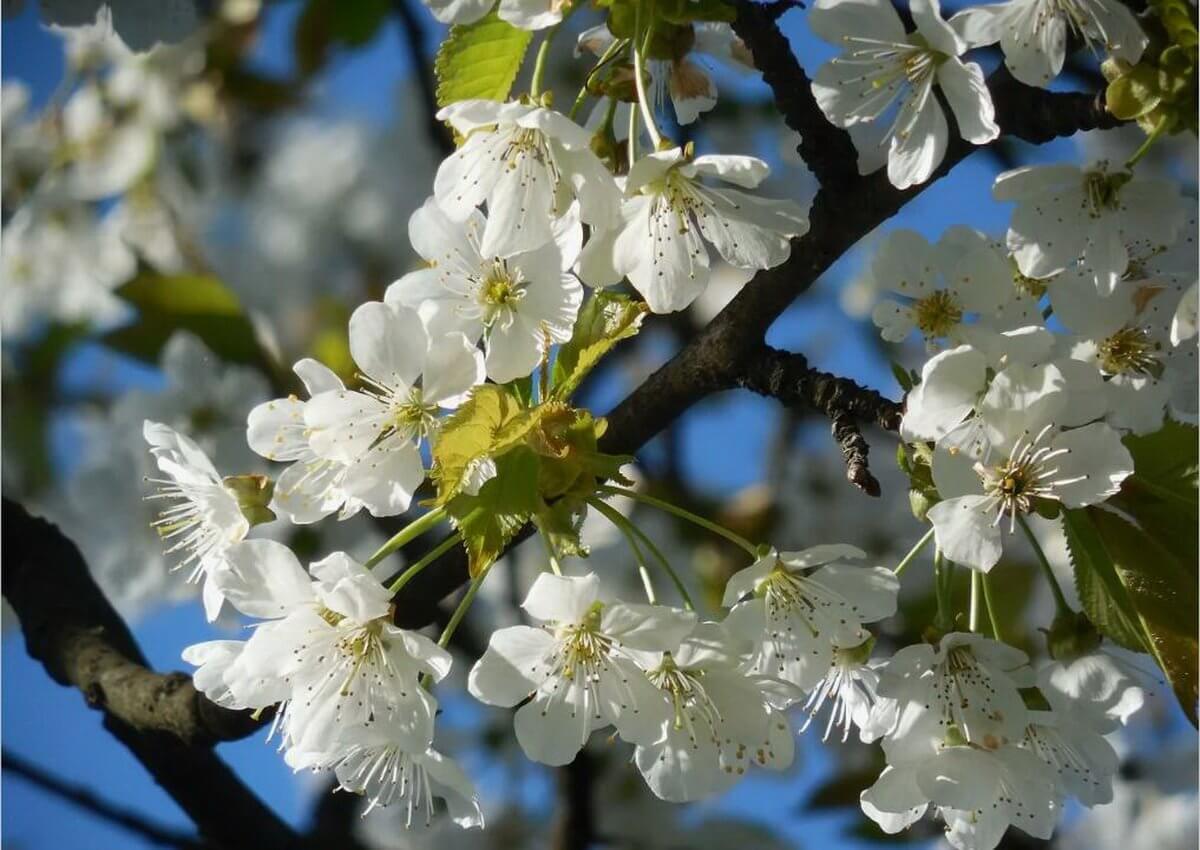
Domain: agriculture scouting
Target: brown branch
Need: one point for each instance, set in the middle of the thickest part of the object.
(73, 630)
(788, 377)
(83, 798)
(575, 823)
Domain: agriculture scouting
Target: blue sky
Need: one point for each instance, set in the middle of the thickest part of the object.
(51, 726)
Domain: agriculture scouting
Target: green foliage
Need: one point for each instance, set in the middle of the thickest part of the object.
(326, 24)
(1138, 593)
(196, 303)
(604, 320)
(480, 60)
(547, 462)
(1160, 91)
(1161, 496)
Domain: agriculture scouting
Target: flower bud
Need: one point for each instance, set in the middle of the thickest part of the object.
(253, 494)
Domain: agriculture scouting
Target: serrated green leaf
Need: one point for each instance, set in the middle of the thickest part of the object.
(480, 60)
(604, 320)
(1161, 496)
(490, 519)
(1153, 594)
(1113, 615)
(196, 303)
(474, 430)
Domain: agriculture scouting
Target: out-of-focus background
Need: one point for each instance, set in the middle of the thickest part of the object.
(263, 170)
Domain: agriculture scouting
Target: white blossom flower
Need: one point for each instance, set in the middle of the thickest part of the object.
(1075, 468)
(1065, 212)
(407, 379)
(851, 684)
(577, 668)
(313, 487)
(805, 606)
(520, 305)
(327, 650)
(668, 215)
(528, 164)
(722, 719)
(205, 519)
(885, 77)
(1033, 33)
(1081, 762)
(1126, 335)
(948, 284)
(683, 79)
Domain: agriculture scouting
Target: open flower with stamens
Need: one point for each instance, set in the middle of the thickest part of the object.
(722, 719)
(326, 650)
(884, 78)
(1033, 33)
(407, 379)
(849, 686)
(205, 518)
(313, 487)
(576, 670)
(1065, 212)
(372, 761)
(668, 215)
(803, 606)
(948, 285)
(1075, 468)
(528, 164)
(519, 305)
(1080, 761)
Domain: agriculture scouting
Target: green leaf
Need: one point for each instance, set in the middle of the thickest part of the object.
(1161, 496)
(196, 303)
(687, 11)
(506, 502)
(488, 423)
(1133, 94)
(604, 320)
(480, 60)
(1137, 587)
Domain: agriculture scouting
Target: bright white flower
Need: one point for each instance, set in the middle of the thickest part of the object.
(528, 164)
(805, 606)
(519, 306)
(313, 486)
(1065, 212)
(978, 792)
(1075, 468)
(408, 379)
(885, 77)
(1082, 764)
(1033, 33)
(958, 278)
(1126, 335)
(370, 761)
(684, 79)
(668, 215)
(327, 650)
(722, 719)
(459, 11)
(966, 689)
(851, 683)
(1095, 690)
(205, 519)
(532, 15)
(577, 668)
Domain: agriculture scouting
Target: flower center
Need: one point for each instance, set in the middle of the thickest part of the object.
(1102, 190)
(937, 313)
(1131, 351)
(1030, 286)
(413, 416)
(585, 649)
(500, 291)
(1028, 475)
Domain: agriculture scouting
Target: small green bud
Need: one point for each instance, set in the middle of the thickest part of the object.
(253, 494)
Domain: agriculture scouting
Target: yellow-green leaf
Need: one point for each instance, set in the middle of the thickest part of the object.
(604, 320)
(480, 60)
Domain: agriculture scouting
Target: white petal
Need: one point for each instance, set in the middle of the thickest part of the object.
(894, 801)
(388, 343)
(950, 385)
(968, 95)
(561, 599)
(647, 627)
(262, 578)
(348, 588)
(1097, 458)
(965, 533)
(511, 667)
(452, 367)
(385, 478)
(917, 151)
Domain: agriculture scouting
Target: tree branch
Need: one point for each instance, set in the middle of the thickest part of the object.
(72, 629)
(788, 377)
(78, 795)
(575, 824)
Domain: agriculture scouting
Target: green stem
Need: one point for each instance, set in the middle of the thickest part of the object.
(613, 49)
(624, 525)
(731, 536)
(551, 555)
(941, 587)
(976, 594)
(539, 64)
(632, 141)
(461, 610)
(430, 556)
(639, 82)
(1060, 601)
(1158, 130)
(410, 532)
(991, 609)
(913, 552)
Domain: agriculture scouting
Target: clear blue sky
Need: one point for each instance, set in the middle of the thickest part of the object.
(50, 724)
